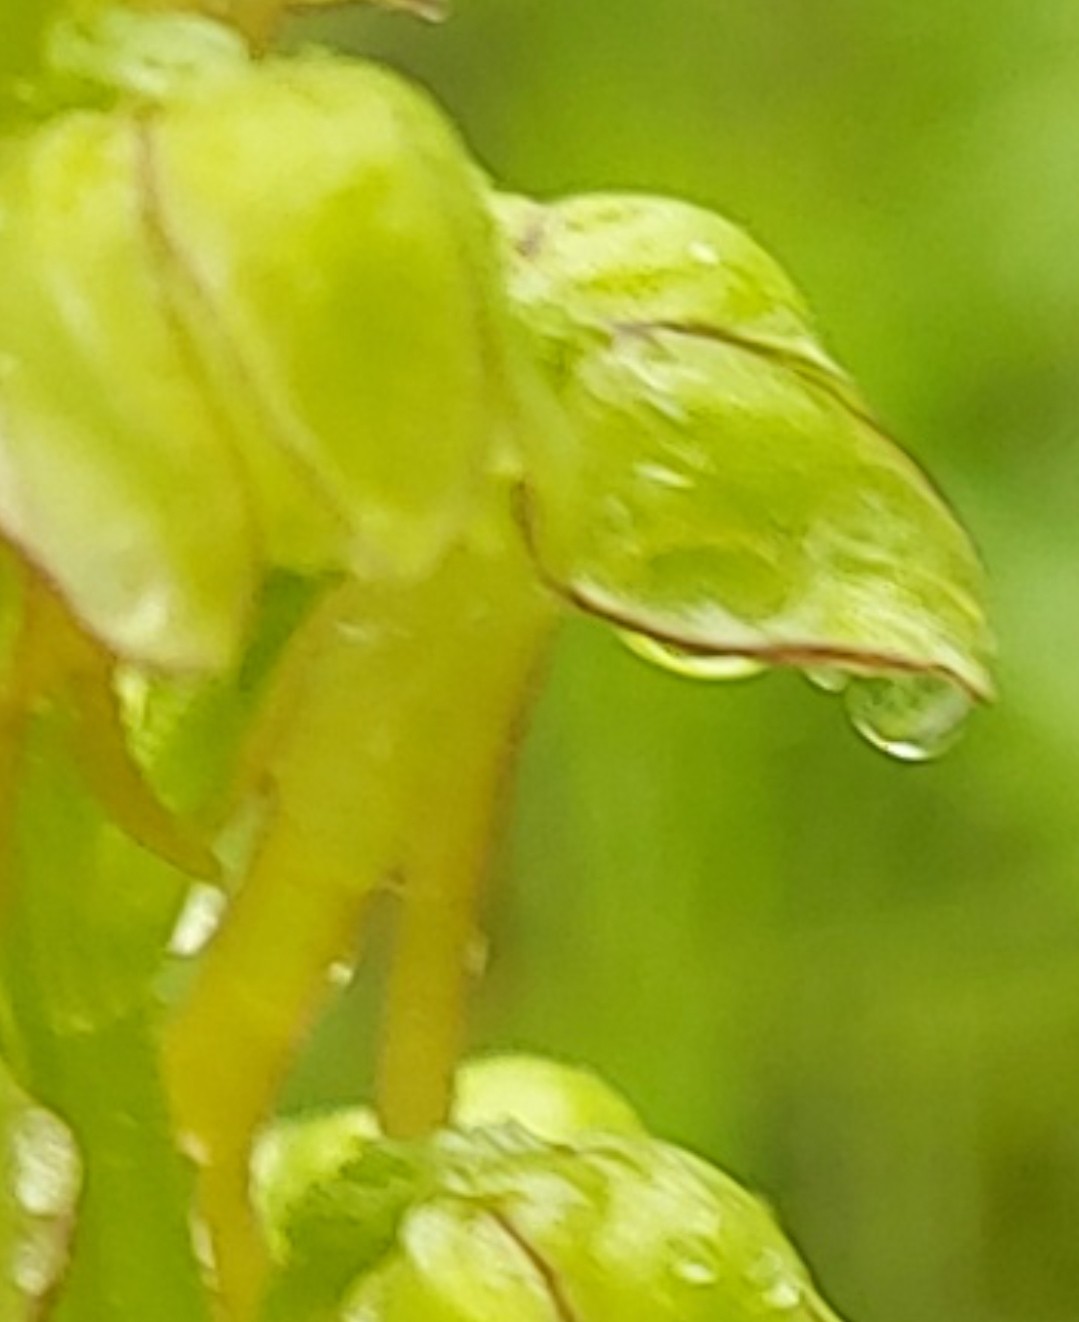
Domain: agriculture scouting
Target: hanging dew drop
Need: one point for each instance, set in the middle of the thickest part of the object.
(693, 665)
(829, 679)
(913, 718)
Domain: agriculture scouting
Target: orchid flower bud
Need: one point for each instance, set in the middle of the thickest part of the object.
(499, 1224)
(247, 320)
(626, 1229)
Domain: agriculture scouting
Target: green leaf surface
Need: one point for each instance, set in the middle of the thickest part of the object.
(719, 488)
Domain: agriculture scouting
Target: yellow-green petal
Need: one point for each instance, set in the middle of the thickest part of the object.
(118, 477)
(329, 231)
(720, 488)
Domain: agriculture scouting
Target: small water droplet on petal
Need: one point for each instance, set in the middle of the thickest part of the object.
(693, 665)
(662, 476)
(694, 1271)
(829, 679)
(783, 1296)
(913, 718)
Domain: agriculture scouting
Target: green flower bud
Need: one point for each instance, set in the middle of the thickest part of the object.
(615, 1227)
(502, 1223)
(551, 1100)
(301, 1153)
(721, 491)
(548, 1099)
(251, 323)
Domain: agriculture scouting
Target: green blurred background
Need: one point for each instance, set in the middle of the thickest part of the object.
(854, 983)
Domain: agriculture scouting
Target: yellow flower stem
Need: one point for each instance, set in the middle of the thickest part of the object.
(380, 755)
(479, 686)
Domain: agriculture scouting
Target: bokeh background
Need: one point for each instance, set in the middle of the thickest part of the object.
(856, 984)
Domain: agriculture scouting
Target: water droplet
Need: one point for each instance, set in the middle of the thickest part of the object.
(202, 1245)
(783, 1295)
(133, 692)
(655, 386)
(340, 974)
(781, 1289)
(662, 476)
(47, 1171)
(198, 921)
(910, 717)
(704, 254)
(194, 1148)
(695, 1271)
(829, 679)
(357, 632)
(693, 665)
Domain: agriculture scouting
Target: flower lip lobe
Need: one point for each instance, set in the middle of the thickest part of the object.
(718, 486)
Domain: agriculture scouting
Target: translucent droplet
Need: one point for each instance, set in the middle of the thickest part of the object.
(198, 921)
(655, 387)
(662, 476)
(829, 679)
(910, 717)
(133, 692)
(194, 1148)
(694, 665)
(47, 1171)
(340, 974)
(695, 1271)
(783, 1296)
(781, 1290)
(202, 1245)
(358, 633)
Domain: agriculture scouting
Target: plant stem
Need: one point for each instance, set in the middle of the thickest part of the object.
(387, 733)
(261, 982)
(470, 742)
